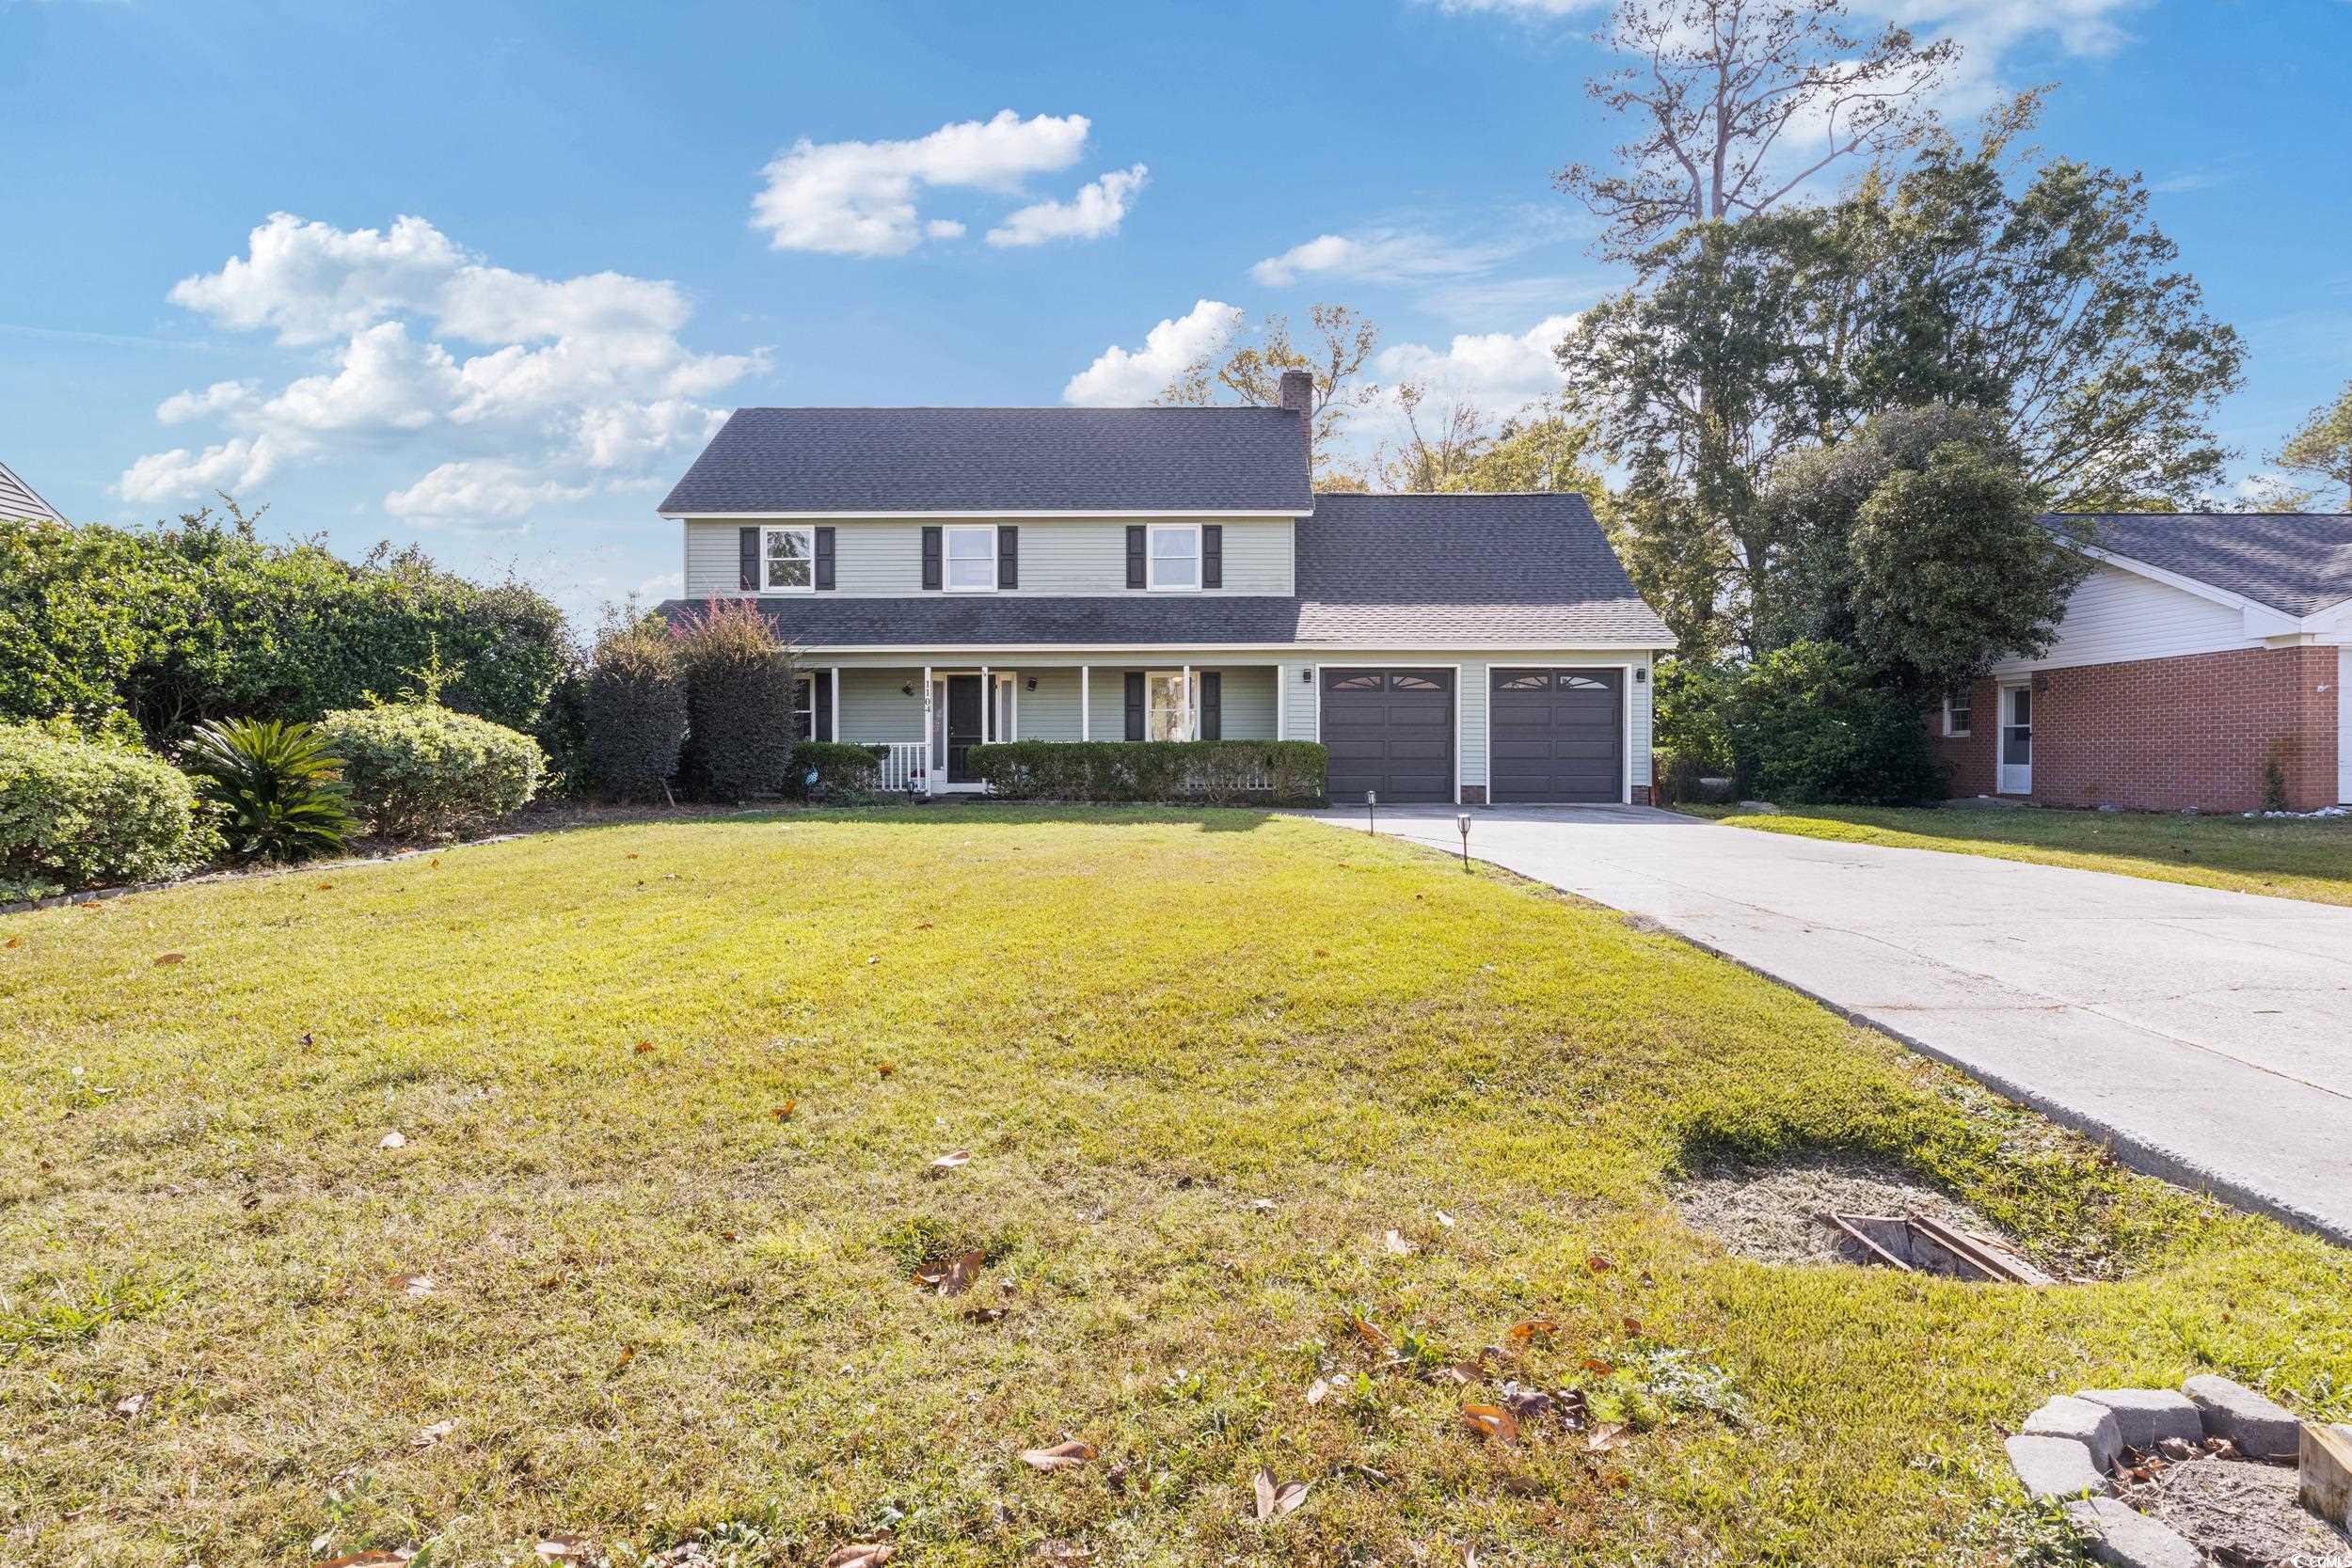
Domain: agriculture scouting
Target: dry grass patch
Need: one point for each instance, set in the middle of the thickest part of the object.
(643, 1267)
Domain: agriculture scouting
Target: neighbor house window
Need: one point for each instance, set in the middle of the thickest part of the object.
(971, 559)
(1170, 708)
(1956, 715)
(788, 560)
(1174, 556)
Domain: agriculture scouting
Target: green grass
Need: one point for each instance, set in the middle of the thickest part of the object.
(662, 1313)
(2286, 858)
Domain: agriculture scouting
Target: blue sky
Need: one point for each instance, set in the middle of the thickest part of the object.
(613, 229)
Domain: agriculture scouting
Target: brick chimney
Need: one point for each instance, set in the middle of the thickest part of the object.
(1298, 393)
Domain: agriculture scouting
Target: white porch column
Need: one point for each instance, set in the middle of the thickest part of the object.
(832, 725)
(930, 763)
(1086, 704)
(1192, 708)
(987, 702)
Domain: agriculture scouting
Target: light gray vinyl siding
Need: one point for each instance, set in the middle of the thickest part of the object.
(1060, 558)
(874, 707)
(1300, 692)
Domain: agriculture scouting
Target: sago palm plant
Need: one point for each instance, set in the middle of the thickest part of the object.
(280, 792)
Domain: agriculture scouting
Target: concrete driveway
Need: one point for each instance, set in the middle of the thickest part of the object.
(2207, 1035)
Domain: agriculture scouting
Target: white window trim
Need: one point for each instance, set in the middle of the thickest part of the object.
(947, 556)
(804, 701)
(1152, 558)
(1951, 733)
(808, 538)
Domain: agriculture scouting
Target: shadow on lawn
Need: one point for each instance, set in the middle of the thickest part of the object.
(1212, 820)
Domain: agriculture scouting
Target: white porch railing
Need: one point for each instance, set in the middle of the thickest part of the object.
(902, 764)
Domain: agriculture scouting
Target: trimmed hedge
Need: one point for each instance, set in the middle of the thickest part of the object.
(419, 771)
(75, 814)
(842, 768)
(1288, 772)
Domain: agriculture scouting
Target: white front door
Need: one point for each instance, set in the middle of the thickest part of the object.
(2344, 725)
(2016, 740)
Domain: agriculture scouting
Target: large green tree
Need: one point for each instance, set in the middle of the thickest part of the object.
(2038, 293)
(1335, 357)
(2322, 445)
(1542, 447)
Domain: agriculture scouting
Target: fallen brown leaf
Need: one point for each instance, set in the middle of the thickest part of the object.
(1394, 1240)
(130, 1404)
(1527, 1328)
(1492, 1423)
(1276, 1499)
(1061, 1456)
(16, 942)
(1604, 1438)
(428, 1436)
(644, 1046)
(1370, 1335)
(412, 1284)
(947, 1163)
(562, 1548)
(1632, 1327)
(865, 1554)
(628, 1353)
(885, 1068)
(955, 1278)
(1598, 1368)
(359, 1559)
(163, 958)
(1600, 1264)
(986, 1314)
(783, 1112)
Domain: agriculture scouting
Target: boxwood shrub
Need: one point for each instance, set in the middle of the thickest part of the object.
(1287, 772)
(842, 768)
(415, 769)
(76, 813)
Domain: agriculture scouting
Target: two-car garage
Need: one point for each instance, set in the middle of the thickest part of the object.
(1552, 734)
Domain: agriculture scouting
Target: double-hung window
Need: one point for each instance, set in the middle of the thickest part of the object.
(787, 560)
(971, 559)
(1172, 558)
(1956, 714)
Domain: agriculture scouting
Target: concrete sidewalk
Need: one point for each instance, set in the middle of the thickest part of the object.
(2207, 1035)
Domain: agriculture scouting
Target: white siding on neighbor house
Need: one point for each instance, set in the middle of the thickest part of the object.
(883, 557)
(2117, 616)
(1301, 694)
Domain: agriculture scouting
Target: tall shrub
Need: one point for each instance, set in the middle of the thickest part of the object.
(633, 708)
(415, 769)
(1808, 723)
(77, 814)
(739, 679)
(177, 624)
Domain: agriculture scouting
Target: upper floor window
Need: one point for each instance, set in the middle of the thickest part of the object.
(787, 560)
(1174, 556)
(971, 559)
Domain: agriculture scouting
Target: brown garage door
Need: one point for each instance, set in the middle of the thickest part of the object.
(1389, 731)
(1555, 735)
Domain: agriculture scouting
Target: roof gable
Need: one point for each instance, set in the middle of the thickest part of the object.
(19, 499)
(2296, 563)
(951, 460)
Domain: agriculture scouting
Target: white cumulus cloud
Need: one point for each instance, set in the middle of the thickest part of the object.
(1124, 378)
(1094, 212)
(858, 197)
(559, 385)
(1500, 372)
(1380, 256)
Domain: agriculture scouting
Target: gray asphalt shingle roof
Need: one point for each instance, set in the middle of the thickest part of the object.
(879, 461)
(1372, 571)
(2298, 561)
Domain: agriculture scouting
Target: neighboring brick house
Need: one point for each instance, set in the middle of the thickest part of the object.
(2201, 649)
(954, 576)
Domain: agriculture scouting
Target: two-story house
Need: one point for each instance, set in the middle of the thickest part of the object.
(951, 576)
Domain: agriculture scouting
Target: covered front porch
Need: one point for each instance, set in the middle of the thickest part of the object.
(928, 715)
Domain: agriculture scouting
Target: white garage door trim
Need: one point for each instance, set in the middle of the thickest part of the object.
(1625, 715)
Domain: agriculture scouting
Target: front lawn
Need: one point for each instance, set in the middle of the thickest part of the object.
(641, 1269)
(2285, 857)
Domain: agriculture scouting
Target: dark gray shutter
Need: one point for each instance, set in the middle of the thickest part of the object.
(1213, 555)
(1211, 704)
(1134, 556)
(748, 540)
(1008, 556)
(824, 557)
(820, 696)
(1135, 705)
(931, 557)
